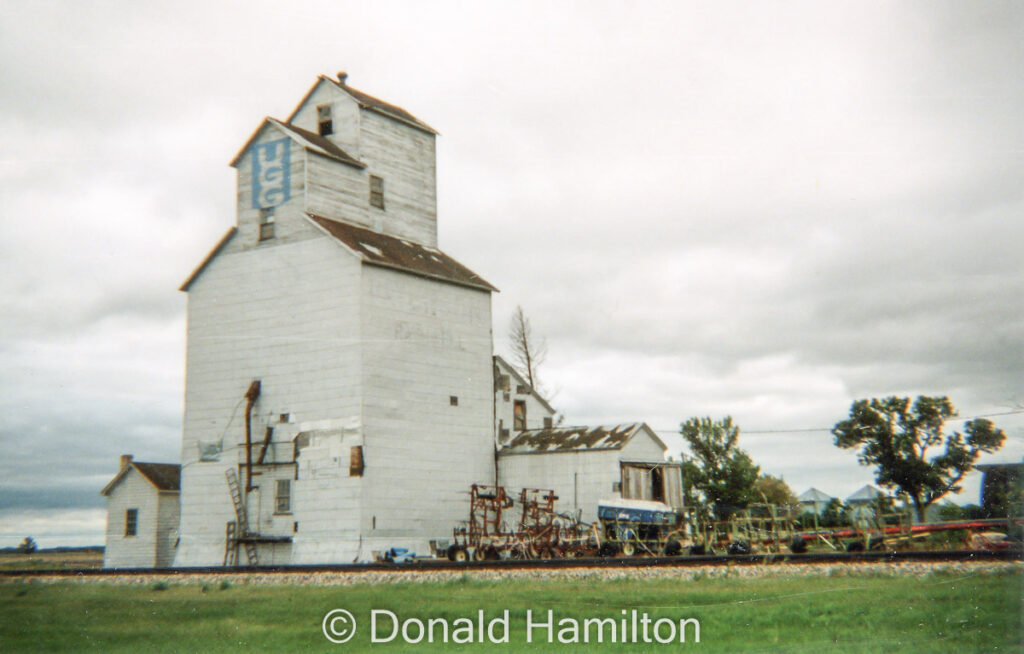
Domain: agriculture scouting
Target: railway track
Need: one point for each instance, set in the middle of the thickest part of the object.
(944, 556)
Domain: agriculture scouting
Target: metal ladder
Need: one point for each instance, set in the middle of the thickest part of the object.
(230, 545)
(243, 523)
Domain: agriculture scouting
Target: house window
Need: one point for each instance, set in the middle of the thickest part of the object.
(519, 415)
(522, 389)
(283, 496)
(266, 223)
(454, 400)
(131, 522)
(376, 191)
(323, 120)
(548, 423)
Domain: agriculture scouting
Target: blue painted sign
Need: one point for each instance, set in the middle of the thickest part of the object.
(271, 173)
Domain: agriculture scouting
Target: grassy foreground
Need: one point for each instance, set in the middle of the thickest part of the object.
(936, 613)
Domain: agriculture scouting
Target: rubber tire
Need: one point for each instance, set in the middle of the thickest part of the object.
(460, 555)
(673, 548)
(698, 550)
(798, 545)
(480, 554)
(608, 549)
(855, 546)
(629, 549)
(739, 548)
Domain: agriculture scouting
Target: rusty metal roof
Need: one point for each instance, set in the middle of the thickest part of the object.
(392, 252)
(572, 439)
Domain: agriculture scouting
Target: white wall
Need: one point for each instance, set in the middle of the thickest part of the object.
(424, 342)
(139, 551)
(288, 315)
(168, 516)
(579, 479)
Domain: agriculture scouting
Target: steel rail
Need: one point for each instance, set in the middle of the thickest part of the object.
(684, 561)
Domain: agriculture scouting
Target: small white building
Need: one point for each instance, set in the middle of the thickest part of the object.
(142, 515)
(585, 465)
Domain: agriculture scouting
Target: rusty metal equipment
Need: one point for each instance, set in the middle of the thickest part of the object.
(539, 533)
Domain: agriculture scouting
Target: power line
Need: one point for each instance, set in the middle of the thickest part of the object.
(818, 429)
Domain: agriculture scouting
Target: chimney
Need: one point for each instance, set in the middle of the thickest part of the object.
(125, 460)
(342, 76)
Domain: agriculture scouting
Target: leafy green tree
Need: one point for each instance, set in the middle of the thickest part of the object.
(719, 475)
(774, 490)
(909, 447)
(835, 514)
(27, 546)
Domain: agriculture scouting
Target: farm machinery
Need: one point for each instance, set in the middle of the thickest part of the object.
(495, 530)
(529, 527)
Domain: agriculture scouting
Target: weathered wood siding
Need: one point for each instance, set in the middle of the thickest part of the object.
(344, 109)
(338, 191)
(423, 343)
(287, 315)
(579, 479)
(168, 516)
(290, 225)
(406, 158)
(139, 551)
(504, 408)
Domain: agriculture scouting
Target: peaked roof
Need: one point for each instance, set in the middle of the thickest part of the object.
(520, 380)
(391, 252)
(864, 494)
(575, 439)
(367, 101)
(814, 495)
(163, 476)
(305, 138)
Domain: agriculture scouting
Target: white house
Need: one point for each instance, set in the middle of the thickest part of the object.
(339, 396)
(142, 515)
(584, 465)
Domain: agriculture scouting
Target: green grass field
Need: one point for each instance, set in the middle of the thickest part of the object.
(936, 613)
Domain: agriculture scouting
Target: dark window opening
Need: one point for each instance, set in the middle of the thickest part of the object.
(519, 415)
(323, 120)
(376, 191)
(548, 422)
(131, 522)
(283, 496)
(454, 400)
(266, 224)
(658, 485)
(355, 461)
(522, 389)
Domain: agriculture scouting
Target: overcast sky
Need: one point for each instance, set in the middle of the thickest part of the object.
(765, 210)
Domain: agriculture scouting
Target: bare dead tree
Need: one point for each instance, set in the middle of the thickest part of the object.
(528, 351)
